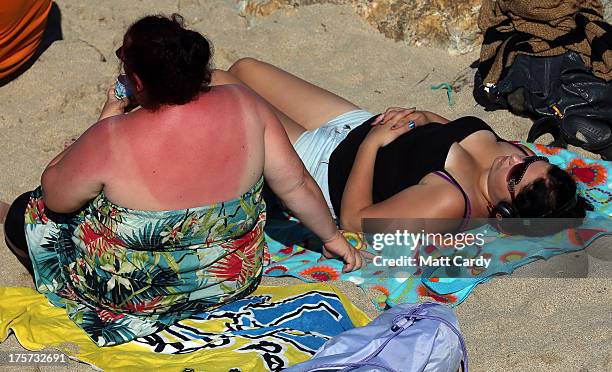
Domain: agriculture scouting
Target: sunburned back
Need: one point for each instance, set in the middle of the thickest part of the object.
(206, 151)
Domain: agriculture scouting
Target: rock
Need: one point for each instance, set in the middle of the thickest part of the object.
(447, 24)
(607, 4)
(250, 9)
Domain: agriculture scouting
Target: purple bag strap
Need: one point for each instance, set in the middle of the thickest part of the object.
(467, 215)
(410, 317)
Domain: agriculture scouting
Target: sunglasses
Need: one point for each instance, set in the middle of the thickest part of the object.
(517, 172)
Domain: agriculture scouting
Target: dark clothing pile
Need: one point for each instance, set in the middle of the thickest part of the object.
(543, 28)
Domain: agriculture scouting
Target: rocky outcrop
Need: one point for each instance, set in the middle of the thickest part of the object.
(448, 24)
(251, 8)
(607, 4)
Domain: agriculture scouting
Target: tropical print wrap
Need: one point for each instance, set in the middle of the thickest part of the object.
(123, 273)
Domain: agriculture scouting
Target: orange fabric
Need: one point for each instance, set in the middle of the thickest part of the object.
(22, 23)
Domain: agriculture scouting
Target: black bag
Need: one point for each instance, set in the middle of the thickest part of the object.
(561, 94)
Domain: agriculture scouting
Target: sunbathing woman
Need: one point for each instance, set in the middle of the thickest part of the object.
(407, 163)
(157, 214)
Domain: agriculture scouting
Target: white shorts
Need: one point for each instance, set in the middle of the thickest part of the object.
(316, 146)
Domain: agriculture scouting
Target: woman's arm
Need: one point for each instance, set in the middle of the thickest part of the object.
(419, 201)
(435, 118)
(74, 176)
(357, 195)
(113, 106)
(289, 180)
(357, 200)
(433, 207)
(395, 115)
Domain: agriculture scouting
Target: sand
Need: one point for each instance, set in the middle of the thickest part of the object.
(510, 324)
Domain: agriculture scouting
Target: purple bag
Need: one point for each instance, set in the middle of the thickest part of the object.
(407, 337)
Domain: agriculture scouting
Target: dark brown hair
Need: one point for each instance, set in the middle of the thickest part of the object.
(553, 196)
(173, 63)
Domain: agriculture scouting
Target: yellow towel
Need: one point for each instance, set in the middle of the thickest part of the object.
(39, 325)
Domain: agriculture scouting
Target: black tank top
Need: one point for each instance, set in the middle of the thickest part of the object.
(402, 163)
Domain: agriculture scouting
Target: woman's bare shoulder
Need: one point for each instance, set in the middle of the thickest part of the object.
(433, 197)
(233, 90)
(514, 147)
(526, 149)
(233, 95)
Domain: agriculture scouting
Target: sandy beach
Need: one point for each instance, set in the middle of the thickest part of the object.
(519, 323)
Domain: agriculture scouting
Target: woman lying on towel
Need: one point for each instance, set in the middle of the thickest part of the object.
(157, 214)
(407, 163)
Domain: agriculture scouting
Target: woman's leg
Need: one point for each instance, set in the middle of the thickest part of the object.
(293, 129)
(14, 231)
(306, 104)
(22, 256)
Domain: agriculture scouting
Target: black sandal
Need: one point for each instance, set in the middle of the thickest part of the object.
(596, 135)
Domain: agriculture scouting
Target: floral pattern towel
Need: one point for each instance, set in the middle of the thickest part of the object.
(293, 250)
(123, 273)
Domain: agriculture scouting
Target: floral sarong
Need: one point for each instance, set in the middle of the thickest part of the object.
(123, 273)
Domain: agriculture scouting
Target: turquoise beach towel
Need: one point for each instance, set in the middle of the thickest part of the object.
(288, 242)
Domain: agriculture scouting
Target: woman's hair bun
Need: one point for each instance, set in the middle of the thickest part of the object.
(173, 63)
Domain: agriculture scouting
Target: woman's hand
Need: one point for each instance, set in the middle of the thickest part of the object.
(393, 123)
(113, 106)
(394, 115)
(399, 115)
(339, 247)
